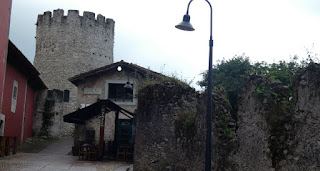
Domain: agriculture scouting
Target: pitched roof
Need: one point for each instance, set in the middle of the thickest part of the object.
(22, 64)
(94, 110)
(112, 67)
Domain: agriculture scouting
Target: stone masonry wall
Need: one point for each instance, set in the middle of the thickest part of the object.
(306, 154)
(277, 130)
(253, 132)
(38, 112)
(48, 120)
(170, 132)
(70, 45)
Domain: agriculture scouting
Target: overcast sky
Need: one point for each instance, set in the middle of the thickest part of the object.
(265, 30)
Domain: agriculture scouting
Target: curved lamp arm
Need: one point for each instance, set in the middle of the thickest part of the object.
(210, 18)
(188, 6)
(185, 25)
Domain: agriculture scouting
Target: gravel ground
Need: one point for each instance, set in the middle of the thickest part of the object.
(46, 154)
(38, 161)
(6, 166)
(9, 163)
(109, 166)
(36, 144)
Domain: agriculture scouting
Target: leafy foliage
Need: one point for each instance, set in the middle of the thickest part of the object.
(275, 88)
(186, 123)
(228, 132)
(229, 75)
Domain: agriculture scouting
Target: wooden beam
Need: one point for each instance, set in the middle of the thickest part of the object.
(101, 137)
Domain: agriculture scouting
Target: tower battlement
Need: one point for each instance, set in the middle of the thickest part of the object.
(73, 17)
(70, 45)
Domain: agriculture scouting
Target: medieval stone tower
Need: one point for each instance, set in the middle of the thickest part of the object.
(70, 45)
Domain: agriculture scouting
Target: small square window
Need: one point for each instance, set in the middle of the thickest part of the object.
(15, 92)
(14, 96)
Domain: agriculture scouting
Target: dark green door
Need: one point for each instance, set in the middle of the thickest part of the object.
(124, 132)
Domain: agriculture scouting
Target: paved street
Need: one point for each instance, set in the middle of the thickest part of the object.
(55, 158)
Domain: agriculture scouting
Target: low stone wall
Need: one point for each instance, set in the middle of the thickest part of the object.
(170, 132)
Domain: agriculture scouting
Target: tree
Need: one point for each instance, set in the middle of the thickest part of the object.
(229, 77)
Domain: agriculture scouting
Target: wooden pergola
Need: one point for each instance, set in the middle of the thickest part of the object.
(98, 109)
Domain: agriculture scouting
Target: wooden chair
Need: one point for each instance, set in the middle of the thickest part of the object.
(92, 153)
(125, 153)
(88, 152)
(129, 154)
(121, 153)
(83, 153)
(3, 148)
(7, 145)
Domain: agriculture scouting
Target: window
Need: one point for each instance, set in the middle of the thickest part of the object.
(2, 123)
(14, 96)
(118, 93)
(66, 95)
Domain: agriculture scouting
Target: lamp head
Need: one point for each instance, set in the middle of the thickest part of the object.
(128, 85)
(119, 68)
(185, 24)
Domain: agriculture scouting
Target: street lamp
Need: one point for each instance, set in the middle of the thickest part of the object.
(128, 85)
(185, 25)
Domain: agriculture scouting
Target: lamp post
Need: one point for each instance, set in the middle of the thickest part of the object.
(185, 25)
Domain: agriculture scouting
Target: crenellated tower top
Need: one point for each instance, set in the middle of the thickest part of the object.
(70, 45)
(87, 20)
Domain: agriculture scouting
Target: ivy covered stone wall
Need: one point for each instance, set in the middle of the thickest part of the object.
(277, 128)
(48, 116)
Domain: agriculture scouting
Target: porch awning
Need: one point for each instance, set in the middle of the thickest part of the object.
(94, 110)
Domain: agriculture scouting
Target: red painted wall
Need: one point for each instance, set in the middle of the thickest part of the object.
(5, 8)
(13, 122)
(29, 113)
